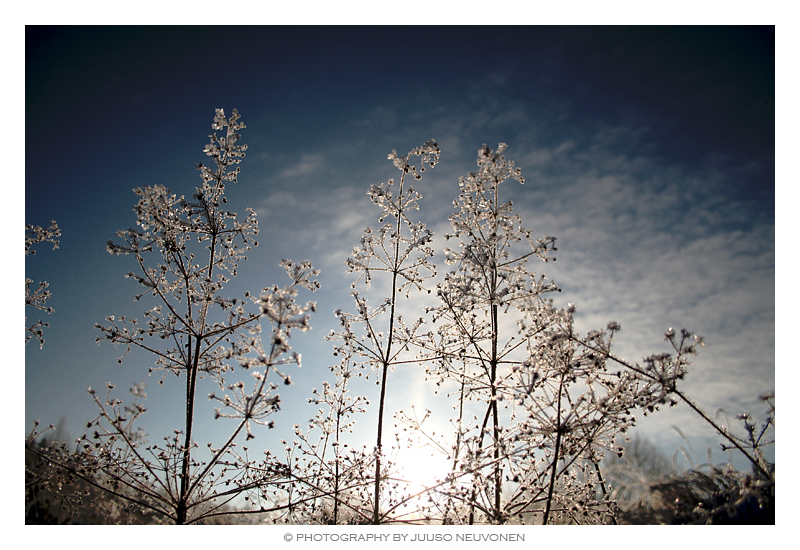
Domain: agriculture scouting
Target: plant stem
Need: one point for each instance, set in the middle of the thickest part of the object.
(191, 373)
(386, 358)
(556, 451)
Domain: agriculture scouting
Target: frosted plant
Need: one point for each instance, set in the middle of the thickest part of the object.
(37, 297)
(537, 406)
(572, 409)
(579, 397)
(399, 249)
(661, 372)
(490, 280)
(185, 250)
(336, 473)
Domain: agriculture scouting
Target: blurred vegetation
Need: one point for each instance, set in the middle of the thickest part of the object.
(649, 491)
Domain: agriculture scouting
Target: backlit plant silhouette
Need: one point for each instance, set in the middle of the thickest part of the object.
(537, 406)
(338, 478)
(533, 443)
(184, 251)
(400, 249)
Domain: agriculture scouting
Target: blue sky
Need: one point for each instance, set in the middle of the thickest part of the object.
(649, 153)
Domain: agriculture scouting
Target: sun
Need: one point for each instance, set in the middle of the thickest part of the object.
(421, 466)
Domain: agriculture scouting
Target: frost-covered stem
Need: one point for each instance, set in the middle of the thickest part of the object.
(724, 433)
(474, 494)
(247, 416)
(184, 491)
(386, 356)
(491, 412)
(191, 382)
(495, 418)
(604, 489)
(719, 429)
(494, 360)
(457, 445)
(336, 479)
(556, 451)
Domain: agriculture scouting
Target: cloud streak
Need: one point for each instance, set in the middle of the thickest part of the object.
(642, 241)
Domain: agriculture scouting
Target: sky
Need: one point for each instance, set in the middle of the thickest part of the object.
(648, 152)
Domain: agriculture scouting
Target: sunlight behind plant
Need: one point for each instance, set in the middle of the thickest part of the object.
(531, 404)
(421, 466)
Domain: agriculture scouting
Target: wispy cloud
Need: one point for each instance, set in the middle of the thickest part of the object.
(309, 164)
(651, 245)
(643, 240)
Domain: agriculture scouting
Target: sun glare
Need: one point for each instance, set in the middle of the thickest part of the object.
(421, 466)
